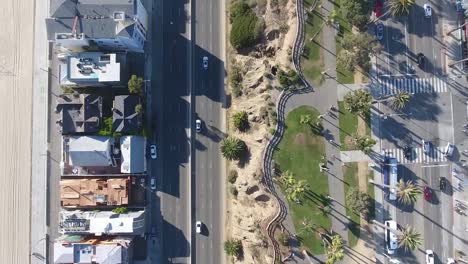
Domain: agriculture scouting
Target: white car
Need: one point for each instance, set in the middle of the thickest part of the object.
(153, 184)
(205, 63)
(449, 149)
(450, 261)
(153, 151)
(427, 10)
(198, 227)
(429, 256)
(198, 125)
(391, 239)
(426, 146)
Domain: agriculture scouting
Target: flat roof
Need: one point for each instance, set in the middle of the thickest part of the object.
(94, 192)
(93, 66)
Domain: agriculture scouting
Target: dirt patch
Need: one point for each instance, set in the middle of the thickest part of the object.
(363, 170)
(349, 142)
(361, 126)
(300, 139)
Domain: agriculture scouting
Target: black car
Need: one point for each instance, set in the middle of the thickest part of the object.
(421, 60)
(442, 183)
(408, 150)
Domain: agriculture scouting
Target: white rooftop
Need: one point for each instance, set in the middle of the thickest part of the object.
(93, 66)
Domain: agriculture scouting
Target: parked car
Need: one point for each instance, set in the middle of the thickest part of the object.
(198, 125)
(391, 239)
(153, 151)
(449, 149)
(427, 193)
(378, 9)
(450, 261)
(198, 227)
(442, 183)
(421, 60)
(429, 256)
(427, 10)
(205, 63)
(379, 31)
(426, 146)
(153, 184)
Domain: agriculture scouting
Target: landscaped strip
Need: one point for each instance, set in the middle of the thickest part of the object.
(311, 59)
(348, 126)
(343, 76)
(300, 152)
(350, 175)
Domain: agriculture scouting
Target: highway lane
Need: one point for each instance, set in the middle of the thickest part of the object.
(208, 89)
(171, 109)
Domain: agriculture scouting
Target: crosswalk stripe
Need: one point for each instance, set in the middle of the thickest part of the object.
(391, 86)
(417, 156)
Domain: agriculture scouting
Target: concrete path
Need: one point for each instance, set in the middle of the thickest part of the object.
(354, 156)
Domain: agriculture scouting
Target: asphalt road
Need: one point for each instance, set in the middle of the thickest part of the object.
(208, 90)
(189, 166)
(171, 110)
(428, 116)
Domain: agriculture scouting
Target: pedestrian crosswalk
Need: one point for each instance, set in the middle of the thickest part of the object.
(417, 156)
(391, 86)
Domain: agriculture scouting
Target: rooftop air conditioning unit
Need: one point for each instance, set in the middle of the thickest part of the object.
(118, 16)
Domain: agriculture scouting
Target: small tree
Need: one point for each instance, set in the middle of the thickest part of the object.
(120, 210)
(400, 7)
(365, 143)
(358, 201)
(233, 247)
(356, 51)
(305, 120)
(356, 11)
(335, 250)
(135, 84)
(409, 238)
(308, 227)
(138, 108)
(232, 176)
(358, 102)
(407, 192)
(283, 239)
(233, 148)
(241, 120)
(400, 100)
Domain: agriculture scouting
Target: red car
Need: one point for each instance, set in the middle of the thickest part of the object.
(427, 193)
(378, 8)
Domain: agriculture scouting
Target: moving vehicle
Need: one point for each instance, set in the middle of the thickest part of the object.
(427, 10)
(421, 60)
(429, 256)
(449, 150)
(391, 239)
(379, 31)
(426, 146)
(198, 125)
(153, 151)
(427, 193)
(153, 184)
(198, 227)
(442, 183)
(459, 6)
(408, 151)
(205, 63)
(391, 177)
(378, 9)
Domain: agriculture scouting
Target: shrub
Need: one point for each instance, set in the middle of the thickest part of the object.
(233, 148)
(244, 23)
(283, 239)
(232, 177)
(120, 210)
(135, 84)
(233, 190)
(272, 131)
(233, 247)
(241, 120)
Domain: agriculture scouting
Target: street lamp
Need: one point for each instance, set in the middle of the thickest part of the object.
(385, 116)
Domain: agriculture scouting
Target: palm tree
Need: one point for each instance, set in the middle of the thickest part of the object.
(308, 227)
(335, 251)
(400, 100)
(295, 191)
(409, 238)
(288, 179)
(305, 119)
(407, 192)
(400, 7)
(233, 148)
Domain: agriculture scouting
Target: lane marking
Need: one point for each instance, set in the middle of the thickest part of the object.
(438, 165)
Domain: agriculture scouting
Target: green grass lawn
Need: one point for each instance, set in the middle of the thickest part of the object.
(300, 152)
(351, 180)
(348, 125)
(343, 75)
(311, 59)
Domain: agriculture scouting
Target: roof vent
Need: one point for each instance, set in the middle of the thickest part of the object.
(118, 16)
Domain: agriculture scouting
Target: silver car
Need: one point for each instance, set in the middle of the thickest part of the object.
(379, 31)
(427, 10)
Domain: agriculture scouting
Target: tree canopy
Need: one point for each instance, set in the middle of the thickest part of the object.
(356, 11)
(358, 102)
(244, 30)
(357, 49)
